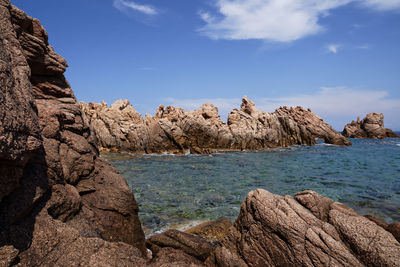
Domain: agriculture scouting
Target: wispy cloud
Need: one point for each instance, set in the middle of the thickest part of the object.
(276, 20)
(382, 5)
(333, 48)
(336, 105)
(125, 6)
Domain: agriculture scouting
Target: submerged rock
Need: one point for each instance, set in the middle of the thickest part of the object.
(121, 128)
(371, 126)
(307, 230)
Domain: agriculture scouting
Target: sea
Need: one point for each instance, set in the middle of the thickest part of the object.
(179, 191)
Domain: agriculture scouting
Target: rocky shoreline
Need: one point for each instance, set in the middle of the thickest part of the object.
(61, 205)
(120, 128)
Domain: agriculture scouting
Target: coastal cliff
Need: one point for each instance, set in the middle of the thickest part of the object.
(60, 202)
(371, 126)
(121, 128)
(61, 205)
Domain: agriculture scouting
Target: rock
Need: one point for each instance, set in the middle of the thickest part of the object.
(307, 230)
(315, 125)
(253, 129)
(212, 231)
(174, 258)
(60, 203)
(378, 221)
(394, 228)
(8, 255)
(121, 128)
(65, 202)
(371, 126)
(190, 244)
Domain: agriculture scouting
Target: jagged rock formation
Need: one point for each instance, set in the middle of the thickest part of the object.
(307, 230)
(314, 124)
(59, 203)
(370, 127)
(121, 128)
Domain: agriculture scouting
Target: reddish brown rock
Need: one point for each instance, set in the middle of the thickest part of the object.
(315, 125)
(394, 228)
(190, 244)
(213, 231)
(253, 129)
(307, 230)
(169, 257)
(59, 203)
(371, 126)
(121, 128)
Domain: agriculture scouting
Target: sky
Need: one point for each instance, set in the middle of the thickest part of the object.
(341, 58)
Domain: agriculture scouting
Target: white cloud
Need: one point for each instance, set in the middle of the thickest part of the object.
(340, 105)
(271, 20)
(123, 6)
(276, 20)
(333, 48)
(337, 105)
(382, 5)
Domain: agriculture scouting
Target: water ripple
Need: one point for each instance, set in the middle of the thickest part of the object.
(172, 190)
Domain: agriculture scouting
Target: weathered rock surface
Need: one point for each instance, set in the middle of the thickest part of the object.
(121, 128)
(192, 245)
(213, 231)
(307, 230)
(314, 124)
(371, 126)
(59, 203)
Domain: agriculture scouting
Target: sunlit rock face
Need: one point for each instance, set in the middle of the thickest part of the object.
(305, 230)
(172, 129)
(371, 126)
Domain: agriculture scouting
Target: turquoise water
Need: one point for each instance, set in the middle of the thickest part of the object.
(173, 190)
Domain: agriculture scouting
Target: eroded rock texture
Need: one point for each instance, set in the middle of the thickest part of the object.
(59, 203)
(371, 126)
(307, 230)
(121, 128)
(314, 124)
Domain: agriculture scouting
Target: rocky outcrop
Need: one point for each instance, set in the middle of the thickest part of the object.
(305, 230)
(121, 128)
(370, 127)
(254, 129)
(314, 124)
(60, 204)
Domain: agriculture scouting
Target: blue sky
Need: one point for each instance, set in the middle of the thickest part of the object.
(340, 58)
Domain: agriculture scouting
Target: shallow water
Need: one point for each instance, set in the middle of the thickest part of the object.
(176, 190)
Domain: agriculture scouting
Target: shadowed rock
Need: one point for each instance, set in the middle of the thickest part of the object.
(59, 203)
(371, 126)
